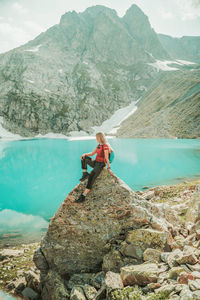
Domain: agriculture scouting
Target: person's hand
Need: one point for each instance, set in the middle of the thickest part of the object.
(82, 156)
(109, 170)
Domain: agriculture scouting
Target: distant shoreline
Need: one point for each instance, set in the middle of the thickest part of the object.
(88, 137)
(14, 240)
(176, 181)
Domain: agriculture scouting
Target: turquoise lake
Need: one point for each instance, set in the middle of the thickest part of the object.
(36, 175)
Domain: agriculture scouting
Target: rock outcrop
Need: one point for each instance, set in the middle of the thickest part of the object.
(82, 236)
(78, 233)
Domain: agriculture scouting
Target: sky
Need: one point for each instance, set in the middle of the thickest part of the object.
(23, 20)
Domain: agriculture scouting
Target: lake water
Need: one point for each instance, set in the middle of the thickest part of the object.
(36, 175)
(5, 296)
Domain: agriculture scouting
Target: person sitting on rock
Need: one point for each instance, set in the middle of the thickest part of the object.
(98, 164)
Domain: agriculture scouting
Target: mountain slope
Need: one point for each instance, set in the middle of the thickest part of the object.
(170, 108)
(186, 47)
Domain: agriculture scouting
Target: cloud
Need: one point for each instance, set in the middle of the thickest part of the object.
(195, 3)
(33, 26)
(19, 8)
(18, 220)
(189, 9)
(14, 33)
(13, 36)
(167, 14)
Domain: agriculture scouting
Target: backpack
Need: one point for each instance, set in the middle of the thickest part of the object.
(111, 156)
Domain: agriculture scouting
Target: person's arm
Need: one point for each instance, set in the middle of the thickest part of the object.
(89, 154)
(106, 152)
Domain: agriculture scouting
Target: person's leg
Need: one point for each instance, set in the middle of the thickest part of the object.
(90, 162)
(92, 176)
(84, 162)
(87, 161)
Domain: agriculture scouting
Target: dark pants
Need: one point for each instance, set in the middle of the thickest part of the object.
(98, 166)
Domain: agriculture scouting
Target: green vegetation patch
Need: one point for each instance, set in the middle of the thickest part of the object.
(129, 293)
(13, 267)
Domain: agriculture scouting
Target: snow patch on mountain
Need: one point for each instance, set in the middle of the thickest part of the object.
(34, 49)
(112, 124)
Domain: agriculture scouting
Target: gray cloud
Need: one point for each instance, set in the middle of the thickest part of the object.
(7, 2)
(195, 3)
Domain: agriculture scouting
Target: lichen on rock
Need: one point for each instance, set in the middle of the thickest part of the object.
(77, 233)
(88, 237)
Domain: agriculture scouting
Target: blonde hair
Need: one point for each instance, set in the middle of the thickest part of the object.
(103, 139)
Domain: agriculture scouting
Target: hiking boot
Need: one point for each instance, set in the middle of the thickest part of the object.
(80, 199)
(85, 175)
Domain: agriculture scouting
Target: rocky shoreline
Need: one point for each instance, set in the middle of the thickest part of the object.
(147, 262)
(16, 239)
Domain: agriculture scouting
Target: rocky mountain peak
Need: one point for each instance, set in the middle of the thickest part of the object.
(140, 28)
(69, 17)
(93, 11)
(135, 11)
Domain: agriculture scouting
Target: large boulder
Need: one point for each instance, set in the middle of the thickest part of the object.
(139, 274)
(139, 240)
(113, 281)
(80, 235)
(152, 254)
(78, 232)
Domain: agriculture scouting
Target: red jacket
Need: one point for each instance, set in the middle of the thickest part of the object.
(100, 152)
